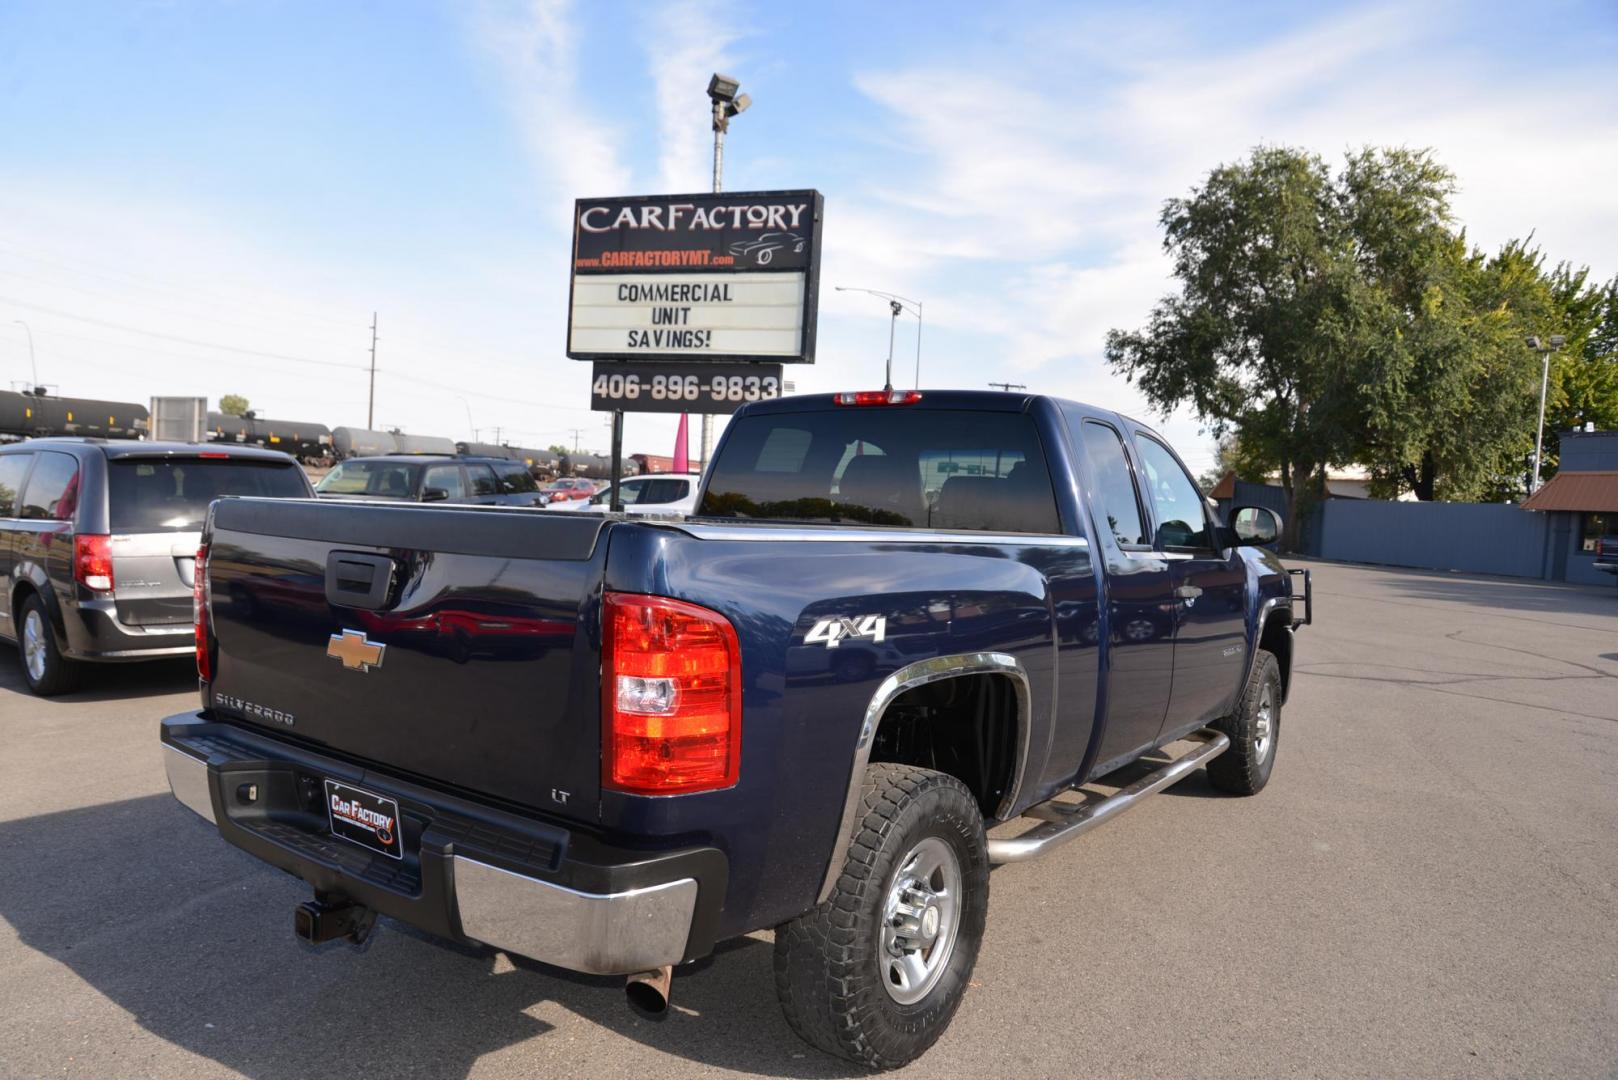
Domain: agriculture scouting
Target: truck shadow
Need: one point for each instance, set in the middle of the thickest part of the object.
(193, 938)
(108, 682)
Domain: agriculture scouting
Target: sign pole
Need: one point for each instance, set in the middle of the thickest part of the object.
(616, 502)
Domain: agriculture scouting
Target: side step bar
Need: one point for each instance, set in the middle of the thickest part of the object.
(1064, 821)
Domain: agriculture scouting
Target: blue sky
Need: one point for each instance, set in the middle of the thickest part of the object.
(186, 186)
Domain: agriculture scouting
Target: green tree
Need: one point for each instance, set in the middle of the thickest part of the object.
(1584, 373)
(233, 405)
(1263, 338)
(558, 449)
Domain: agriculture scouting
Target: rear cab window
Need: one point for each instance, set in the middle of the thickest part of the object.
(172, 494)
(954, 470)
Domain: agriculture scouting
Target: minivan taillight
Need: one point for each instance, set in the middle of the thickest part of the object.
(92, 561)
(200, 613)
(671, 697)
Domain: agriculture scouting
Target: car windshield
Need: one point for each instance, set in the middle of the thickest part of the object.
(172, 494)
(384, 479)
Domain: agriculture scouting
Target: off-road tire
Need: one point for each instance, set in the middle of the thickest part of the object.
(828, 963)
(1245, 768)
(59, 674)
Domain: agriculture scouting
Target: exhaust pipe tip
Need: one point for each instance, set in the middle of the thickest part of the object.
(648, 992)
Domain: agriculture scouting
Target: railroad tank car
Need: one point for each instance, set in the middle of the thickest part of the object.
(422, 444)
(24, 415)
(305, 440)
(361, 442)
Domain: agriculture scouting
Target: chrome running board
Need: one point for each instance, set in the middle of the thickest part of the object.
(1064, 821)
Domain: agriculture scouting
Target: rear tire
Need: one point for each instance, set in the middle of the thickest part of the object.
(45, 669)
(876, 973)
(1254, 730)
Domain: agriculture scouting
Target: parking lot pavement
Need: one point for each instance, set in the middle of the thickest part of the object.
(1428, 887)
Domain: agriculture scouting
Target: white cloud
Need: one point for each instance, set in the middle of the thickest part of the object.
(1030, 218)
(536, 46)
(686, 42)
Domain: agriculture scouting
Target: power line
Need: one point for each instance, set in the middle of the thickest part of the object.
(175, 337)
(144, 281)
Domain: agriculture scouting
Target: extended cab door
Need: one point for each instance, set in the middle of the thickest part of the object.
(1209, 589)
(1138, 607)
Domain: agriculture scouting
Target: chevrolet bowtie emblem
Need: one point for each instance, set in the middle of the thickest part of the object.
(355, 650)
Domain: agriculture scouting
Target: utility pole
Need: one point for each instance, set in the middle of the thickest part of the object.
(576, 433)
(370, 401)
(1009, 386)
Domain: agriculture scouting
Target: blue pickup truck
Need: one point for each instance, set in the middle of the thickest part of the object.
(898, 619)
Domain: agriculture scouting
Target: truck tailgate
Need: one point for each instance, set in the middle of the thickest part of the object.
(471, 665)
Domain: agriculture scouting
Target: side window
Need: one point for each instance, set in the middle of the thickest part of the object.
(516, 479)
(1182, 522)
(1115, 488)
(447, 477)
(13, 468)
(663, 490)
(483, 481)
(53, 489)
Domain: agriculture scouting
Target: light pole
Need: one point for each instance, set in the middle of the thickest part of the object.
(32, 367)
(896, 304)
(727, 102)
(1545, 348)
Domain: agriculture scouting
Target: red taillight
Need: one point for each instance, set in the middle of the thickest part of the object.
(213, 454)
(879, 397)
(671, 690)
(199, 612)
(92, 561)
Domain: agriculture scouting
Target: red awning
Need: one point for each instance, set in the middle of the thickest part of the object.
(1588, 491)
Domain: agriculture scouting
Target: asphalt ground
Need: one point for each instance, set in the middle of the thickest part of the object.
(1428, 887)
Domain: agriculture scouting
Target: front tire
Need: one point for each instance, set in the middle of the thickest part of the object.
(876, 973)
(1254, 730)
(45, 669)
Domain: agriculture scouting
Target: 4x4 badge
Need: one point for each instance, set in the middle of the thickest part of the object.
(355, 650)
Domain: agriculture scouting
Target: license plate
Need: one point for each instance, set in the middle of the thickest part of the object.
(360, 817)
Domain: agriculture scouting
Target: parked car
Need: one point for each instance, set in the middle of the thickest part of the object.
(99, 539)
(660, 493)
(427, 478)
(569, 489)
(800, 708)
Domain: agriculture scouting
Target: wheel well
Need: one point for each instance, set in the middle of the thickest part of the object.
(1276, 638)
(967, 726)
(19, 596)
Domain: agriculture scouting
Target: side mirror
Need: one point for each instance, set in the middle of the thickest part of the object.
(434, 495)
(1255, 526)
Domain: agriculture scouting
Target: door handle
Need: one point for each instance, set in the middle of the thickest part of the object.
(1187, 592)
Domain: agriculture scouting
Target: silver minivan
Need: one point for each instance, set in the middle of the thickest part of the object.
(98, 541)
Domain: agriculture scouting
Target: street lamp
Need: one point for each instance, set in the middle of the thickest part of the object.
(727, 102)
(1545, 348)
(32, 367)
(896, 304)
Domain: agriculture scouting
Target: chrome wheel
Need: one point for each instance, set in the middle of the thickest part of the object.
(920, 919)
(33, 645)
(1263, 725)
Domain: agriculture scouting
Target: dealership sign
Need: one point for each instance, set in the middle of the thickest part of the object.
(729, 276)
